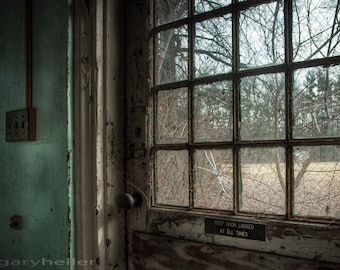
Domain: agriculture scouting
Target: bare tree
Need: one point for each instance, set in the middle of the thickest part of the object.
(262, 98)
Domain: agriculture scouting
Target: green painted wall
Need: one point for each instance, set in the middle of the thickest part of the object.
(34, 176)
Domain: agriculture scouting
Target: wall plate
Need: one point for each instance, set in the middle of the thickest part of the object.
(21, 125)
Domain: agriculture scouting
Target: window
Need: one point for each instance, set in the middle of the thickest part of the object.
(246, 107)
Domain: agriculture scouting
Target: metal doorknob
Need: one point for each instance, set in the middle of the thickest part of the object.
(128, 201)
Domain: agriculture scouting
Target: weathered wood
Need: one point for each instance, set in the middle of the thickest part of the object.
(159, 252)
(298, 240)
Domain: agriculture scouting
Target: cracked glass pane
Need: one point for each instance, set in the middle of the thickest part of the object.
(213, 184)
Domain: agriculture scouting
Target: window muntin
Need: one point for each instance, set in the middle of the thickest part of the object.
(255, 102)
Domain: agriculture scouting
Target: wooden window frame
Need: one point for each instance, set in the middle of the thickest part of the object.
(287, 68)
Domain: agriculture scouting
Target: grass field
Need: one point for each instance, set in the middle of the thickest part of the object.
(317, 194)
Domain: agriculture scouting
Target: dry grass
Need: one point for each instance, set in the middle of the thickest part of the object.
(318, 194)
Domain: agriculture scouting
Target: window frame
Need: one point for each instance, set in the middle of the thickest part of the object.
(289, 142)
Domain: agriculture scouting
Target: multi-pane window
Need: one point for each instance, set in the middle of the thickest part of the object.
(246, 107)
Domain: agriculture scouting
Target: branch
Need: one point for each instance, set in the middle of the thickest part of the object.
(305, 165)
(333, 27)
(324, 44)
(213, 56)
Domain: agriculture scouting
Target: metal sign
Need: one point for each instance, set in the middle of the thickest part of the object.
(246, 230)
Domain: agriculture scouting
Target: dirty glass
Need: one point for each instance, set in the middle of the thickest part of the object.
(172, 116)
(213, 46)
(171, 63)
(263, 182)
(262, 101)
(262, 35)
(213, 115)
(171, 183)
(213, 187)
(207, 5)
(168, 11)
(317, 181)
(316, 102)
(249, 97)
(316, 32)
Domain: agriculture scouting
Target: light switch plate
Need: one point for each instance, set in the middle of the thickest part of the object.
(21, 125)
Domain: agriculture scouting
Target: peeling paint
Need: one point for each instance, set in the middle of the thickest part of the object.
(154, 252)
(108, 242)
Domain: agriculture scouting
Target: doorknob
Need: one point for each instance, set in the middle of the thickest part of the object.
(128, 201)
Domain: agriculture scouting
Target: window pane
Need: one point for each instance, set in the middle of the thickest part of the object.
(171, 55)
(207, 5)
(262, 107)
(203, 98)
(263, 180)
(213, 46)
(317, 181)
(171, 184)
(172, 116)
(169, 11)
(316, 32)
(213, 115)
(262, 35)
(316, 102)
(213, 186)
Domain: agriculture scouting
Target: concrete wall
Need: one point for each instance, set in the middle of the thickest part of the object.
(34, 176)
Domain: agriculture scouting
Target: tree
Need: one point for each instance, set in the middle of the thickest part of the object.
(262, 98)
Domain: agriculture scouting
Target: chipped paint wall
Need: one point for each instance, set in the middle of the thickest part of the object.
(171, 253)
(99, 102)
(34, 176)
(174, 239)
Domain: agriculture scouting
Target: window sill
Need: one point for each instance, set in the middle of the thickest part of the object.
(289, 238)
